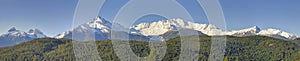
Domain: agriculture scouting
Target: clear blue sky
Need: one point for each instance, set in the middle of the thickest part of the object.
(55, 16)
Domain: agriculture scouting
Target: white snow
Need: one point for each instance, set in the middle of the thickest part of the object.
(274, 32)
(163, 26)
(61, 35)
(103, 27)
(17, 33)
(245, 32)
(36, 33)
(20, 36)
(98, 25)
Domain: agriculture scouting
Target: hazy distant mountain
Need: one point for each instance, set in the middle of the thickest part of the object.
(14, 36)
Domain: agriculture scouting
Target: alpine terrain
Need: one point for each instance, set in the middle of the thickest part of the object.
(101, 29)
(14, 36)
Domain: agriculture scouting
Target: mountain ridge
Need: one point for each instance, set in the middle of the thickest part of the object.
(101, 29)
(14, 36)
(208, 29)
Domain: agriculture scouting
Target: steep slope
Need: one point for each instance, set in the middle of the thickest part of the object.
(15, 36)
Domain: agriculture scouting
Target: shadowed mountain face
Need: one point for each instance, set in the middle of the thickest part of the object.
(256, 48)
(183, 32)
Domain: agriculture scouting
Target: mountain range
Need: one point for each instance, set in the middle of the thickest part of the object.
(164, 26)
(14, 36)
(101, 29)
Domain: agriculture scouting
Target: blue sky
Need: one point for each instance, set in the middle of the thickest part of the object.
(55, 16)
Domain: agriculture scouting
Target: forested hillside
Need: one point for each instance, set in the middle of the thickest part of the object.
(252, 48)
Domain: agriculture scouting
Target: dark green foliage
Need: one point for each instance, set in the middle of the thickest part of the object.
(252, 48)
(36, 50)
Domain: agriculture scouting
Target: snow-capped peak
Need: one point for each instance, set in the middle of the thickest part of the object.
(159, 27)
(163, 26)
(14, 36)
(103, 28)
(98, 25)
(12, 29)
(97, 19)
(277, 34)
(255, 28)
(36, 33)
(13, 32)
(245, 32)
